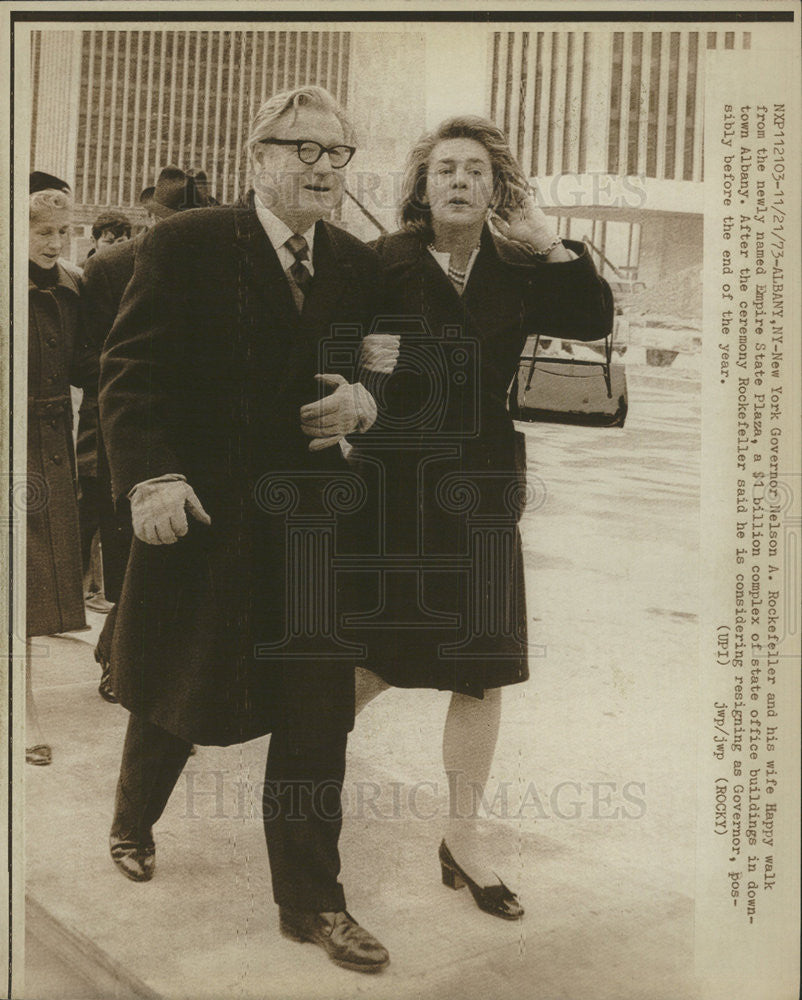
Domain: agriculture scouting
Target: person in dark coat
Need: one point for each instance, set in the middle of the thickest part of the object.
(105, 278)
(55, 361)
(223, 418)
(455, 469)
(110, 228)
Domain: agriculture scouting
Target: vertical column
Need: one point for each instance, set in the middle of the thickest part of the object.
(573, 103)
(113, 151)
(456, 86)
(381, 66)
(653, 55)
(559, 109)
(513, 110)
(626, 92)
(544, 112)
(100, 119)
(682, 97)
(182, 114)
(85, 154)
(207, 89)
(597, 111)
(193, 121)
(218, 102)
(529, 103)
(231, 70)
(57, 103)
(143, 175)
(699, 109)
(643, 102)
(662, 105)
(159, 161)
(125, 147)
(241, 132)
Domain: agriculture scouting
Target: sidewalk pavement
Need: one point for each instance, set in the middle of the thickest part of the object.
(593, 785)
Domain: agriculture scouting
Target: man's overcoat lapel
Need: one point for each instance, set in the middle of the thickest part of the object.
(332, 276)
(263, 276)
(274, 321)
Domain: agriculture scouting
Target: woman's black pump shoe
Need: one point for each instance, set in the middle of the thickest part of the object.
(495, 899)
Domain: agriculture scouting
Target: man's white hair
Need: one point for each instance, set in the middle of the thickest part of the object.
(287, 102)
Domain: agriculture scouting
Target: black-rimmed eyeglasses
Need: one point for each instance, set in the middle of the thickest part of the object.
(309, 151)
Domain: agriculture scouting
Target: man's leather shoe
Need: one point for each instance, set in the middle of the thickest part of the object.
(135, 860)
(104, 688)
(339, 935)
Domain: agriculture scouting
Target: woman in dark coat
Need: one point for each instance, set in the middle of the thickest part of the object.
(454, 466)
(54, 576)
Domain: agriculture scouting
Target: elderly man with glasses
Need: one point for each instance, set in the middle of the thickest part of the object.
(216, 406)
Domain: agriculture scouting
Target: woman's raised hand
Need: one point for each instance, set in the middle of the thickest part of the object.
(527, 223)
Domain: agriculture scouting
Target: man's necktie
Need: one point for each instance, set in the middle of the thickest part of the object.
(299, 248)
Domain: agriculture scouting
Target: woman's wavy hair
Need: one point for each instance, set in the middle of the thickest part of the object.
(509, 181)
(42, 203)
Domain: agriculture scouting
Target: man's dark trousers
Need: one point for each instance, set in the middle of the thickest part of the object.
(301, 807)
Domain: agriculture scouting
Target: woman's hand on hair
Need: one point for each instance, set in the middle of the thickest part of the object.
(529, 224)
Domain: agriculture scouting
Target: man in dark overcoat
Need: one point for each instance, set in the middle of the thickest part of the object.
(223, 427)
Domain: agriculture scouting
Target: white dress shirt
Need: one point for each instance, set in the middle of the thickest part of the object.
(279, 232)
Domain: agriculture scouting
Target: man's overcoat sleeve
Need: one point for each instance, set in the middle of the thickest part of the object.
(139, 366)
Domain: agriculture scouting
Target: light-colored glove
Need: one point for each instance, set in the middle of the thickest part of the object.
(379, 352)
(348, 409)
(158, 511)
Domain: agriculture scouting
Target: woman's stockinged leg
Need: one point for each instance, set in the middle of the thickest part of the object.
(469, 742)
(368, 686)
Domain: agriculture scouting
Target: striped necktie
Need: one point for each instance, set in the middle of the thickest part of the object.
(299, 248)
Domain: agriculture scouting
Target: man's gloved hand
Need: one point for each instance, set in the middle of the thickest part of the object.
(349, 408)
(158, 511)
(379, 352)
